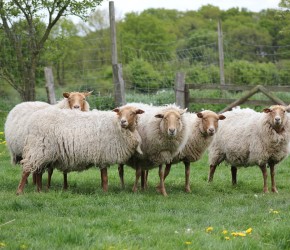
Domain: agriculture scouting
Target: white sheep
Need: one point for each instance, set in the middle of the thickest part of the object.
(164, 134)
(16, 128)
(203, 126)
(248, 138)
(75, 141)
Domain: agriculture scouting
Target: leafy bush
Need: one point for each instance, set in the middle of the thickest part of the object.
(142, 76)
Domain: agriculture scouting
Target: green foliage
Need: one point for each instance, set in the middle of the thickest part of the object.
(251, 73)
(146, 79)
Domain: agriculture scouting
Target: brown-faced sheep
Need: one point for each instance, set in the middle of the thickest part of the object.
(248, 138)
(75, 141)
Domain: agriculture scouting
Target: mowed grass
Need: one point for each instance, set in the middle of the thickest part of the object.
(86, 218)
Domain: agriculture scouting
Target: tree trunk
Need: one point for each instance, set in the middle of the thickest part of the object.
(29, 79)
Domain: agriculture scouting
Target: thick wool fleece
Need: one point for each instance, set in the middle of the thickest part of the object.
(198, 140)
(157, 146)
(75, 140)
(246, 138)
(16, 124)
(16, 127)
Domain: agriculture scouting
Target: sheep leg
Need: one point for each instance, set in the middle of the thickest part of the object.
(166, 173)
(143, 179)
(167, 170)
(104, 178)
(264, 172)
(187, 175)
(272, 171)
(49, 174)
(146, 179)
(65, 184)
(34, 178)
(162, 186)
(138, 174)
(121, 175)
(212, 169)
(22, 182)
(234, 175)
(38, 181)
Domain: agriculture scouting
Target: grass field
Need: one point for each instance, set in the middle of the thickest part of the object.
(86, 218)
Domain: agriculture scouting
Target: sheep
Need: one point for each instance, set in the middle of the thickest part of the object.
(163, 134)
(16, 123)
(203, 126)
(248, 138)
(75, 141)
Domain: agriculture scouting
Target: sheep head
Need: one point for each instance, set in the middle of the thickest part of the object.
(171, 121)
(209, 121)
(277, 116)
(128, 116)
(77, 100)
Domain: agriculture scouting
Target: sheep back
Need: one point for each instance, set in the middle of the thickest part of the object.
(74, 140)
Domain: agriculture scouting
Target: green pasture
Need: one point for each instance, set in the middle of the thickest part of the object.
(212, 216)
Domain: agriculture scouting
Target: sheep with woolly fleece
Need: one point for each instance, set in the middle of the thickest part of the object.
(164, 133)
(16, 128)
(248, 138)
(203, 126)
(75, 141)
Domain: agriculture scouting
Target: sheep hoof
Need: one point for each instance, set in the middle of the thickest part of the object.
(265, 190)
(274, 190)
(163, 192)
(19, 192)
(187, 190)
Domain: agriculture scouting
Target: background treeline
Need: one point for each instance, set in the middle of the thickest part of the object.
(156, 43)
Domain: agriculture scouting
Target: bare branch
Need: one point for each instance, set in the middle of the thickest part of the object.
(51, 24)
(29, 21)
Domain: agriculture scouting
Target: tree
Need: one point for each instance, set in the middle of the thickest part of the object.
(25, 26)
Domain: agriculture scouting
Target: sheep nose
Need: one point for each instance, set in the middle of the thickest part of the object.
(277, 119)
(172, 130)
(211, 130)
(123, 121)
(76, 106)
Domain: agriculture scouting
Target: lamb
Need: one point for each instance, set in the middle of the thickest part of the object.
(75, 141)
(16, 123)
(164, 133)
(248, 138)
(203, 126)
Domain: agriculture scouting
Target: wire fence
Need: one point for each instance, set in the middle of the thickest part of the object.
(149, 74)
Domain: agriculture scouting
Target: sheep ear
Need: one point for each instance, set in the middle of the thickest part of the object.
(267, 110)
(199, 115)
(88, 93)
(159, 116)
(139, 111)
(117, 110)
(66, 94)
(181, 112)
(222, 117)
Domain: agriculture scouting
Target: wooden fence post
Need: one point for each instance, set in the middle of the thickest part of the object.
(180, 89)
(221, 53)
(49, 85)
(119, 85)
